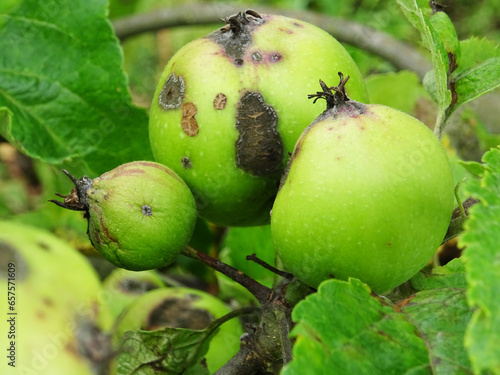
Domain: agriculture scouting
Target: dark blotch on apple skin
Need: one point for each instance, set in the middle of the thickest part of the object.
(135, 287)
(178, 313)
(186, 162)
(259, 148)
(172, 92)
(236, 36)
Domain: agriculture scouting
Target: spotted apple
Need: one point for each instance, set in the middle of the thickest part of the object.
(230, 106)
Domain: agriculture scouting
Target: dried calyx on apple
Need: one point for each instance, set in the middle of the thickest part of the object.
(140, 214)
(368, 193)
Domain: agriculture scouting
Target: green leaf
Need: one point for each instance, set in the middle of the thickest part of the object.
(486, 139)
(478, 71)
(477, 81)
(237, 244)
(447, 34)
(451, 275)
(476, 51)
(400, 90)
(482, 254)
(166, 351)
(473, 167)
(436, 81)
(441, 317)
(63, 83)
(342, 329)
(240, 242)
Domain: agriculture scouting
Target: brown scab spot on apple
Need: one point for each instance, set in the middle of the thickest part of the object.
(186, 162)
(172, 92)
(220, 101)
(178, 313)
(188, 122)
(259, 147)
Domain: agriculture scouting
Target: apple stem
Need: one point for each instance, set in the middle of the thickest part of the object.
(259, 291)
(334, 96)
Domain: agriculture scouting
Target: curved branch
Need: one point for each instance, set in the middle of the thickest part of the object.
(259, 291)
(400, 54)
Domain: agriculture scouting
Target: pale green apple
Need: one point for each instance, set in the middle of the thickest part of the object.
(184, 308)
(52, 308)
(229, 108)
(368, 194)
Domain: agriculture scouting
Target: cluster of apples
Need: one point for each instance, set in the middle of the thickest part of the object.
(66, 321)
(356, 190)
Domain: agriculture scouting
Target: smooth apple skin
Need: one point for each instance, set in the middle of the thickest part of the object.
(282, 64)
(367, 195)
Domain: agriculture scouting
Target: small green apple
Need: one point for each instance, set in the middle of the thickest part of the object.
(229, 108)
(368, 194)
(141, 214)
(184, 308)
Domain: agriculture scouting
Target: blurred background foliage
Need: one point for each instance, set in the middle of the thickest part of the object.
(470, 19)
(26, 185)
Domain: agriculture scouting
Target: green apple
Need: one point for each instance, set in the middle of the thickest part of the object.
(230, 106)
(122, 287)
(53, 307)
(141, 214)
(368, 194)
(184, 308)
